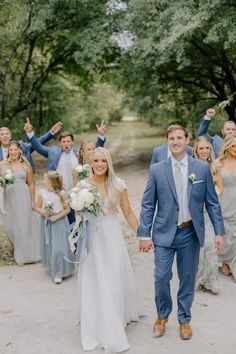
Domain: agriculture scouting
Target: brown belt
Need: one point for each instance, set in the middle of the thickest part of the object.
(185, 224)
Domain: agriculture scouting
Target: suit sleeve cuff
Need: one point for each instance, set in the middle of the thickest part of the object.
(145, 238)
(30, 135)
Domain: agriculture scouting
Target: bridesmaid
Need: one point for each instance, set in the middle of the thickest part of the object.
(84, 155)
(227, 165)
(208, 262)
(20, 223)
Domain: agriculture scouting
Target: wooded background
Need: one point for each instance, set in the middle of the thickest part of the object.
(81, 61)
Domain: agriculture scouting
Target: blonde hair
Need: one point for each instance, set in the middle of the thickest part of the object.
(113, 188)
(56, 181)
(82, 146)
(210, 159)
(22, 157)
(224, 150)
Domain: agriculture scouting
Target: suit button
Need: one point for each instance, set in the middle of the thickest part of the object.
(177, 209)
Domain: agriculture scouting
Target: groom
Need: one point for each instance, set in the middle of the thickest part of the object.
(182, 186)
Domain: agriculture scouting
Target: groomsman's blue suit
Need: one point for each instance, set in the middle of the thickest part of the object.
(216, 141)
(161, 153)
(28, 148)
(168, 238)
(53, 153)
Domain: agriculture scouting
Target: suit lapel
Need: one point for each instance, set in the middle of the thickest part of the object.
(1, 154)
(170, 178)
(191, 169)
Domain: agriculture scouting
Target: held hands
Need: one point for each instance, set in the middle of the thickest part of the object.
(219, 243)
(211, 112)
(56, 128)
(146, 246)
(101, 129)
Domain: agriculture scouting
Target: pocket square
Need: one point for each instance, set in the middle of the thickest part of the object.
(200, 181)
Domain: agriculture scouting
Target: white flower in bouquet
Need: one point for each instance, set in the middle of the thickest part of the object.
(48, 207)
(85, 198)
(83, 171)
(7, 178)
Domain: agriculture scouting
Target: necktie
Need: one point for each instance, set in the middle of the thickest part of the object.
(179, 189)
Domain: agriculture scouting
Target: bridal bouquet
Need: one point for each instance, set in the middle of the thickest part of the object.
(83, 171)
(84, 199)
(7, 178)
(49, 208)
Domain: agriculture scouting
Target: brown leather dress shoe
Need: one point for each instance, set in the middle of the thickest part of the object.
(185, 331)
(159, 327)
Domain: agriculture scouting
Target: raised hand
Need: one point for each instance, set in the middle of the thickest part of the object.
(101, 129)
(211, 112)
(28, 126)
(57, 127)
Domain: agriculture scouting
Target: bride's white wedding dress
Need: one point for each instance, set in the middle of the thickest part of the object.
(108, 297)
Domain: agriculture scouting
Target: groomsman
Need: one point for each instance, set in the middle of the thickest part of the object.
(216, 141)
(172, 219)
(162, 152)
(62, 158)
(27, 148)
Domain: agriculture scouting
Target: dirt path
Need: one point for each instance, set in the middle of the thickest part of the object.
(38, 317)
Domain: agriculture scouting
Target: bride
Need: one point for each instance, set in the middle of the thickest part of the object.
(108, 298)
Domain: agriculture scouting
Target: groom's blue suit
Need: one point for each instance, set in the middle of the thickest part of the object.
(169, 239)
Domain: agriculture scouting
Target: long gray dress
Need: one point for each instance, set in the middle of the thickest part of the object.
(54, 240)
(21, 224)
(228, 205)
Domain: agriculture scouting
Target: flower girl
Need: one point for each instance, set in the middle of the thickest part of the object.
(54, 227)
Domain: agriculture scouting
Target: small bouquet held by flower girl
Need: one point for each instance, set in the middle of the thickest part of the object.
(86, 201)
(7, 178)
(83, 171)
(49, 208)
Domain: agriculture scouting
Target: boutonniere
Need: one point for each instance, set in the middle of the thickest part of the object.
(192, 177)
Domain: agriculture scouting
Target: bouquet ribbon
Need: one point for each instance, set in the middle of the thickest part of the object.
(1, 201)
(79, 240)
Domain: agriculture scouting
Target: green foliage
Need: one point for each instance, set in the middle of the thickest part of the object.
(183, 56)
(42, 41)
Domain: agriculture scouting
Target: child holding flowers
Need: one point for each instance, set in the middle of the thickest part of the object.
(54, 227)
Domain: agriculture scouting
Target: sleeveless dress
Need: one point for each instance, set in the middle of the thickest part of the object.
(54, 240)
(108, 297)
(228, 205)
(20, 221)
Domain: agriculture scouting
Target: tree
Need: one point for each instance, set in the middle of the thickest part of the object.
(181, 48)
(42, 39)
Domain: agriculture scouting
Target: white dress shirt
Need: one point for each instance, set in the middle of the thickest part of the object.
(184, 171)
(67, 162)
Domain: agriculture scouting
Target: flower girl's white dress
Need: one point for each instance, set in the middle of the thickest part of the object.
(108, 297)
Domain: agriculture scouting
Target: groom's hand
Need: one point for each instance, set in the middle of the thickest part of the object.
(146, 245)
(219, 243)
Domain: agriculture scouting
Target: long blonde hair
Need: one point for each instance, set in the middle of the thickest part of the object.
(22, 157)
(224, 150)
(56, 181)
(210, 159)
(113, 187)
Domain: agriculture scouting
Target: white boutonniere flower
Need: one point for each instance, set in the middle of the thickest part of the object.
(192, 177)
